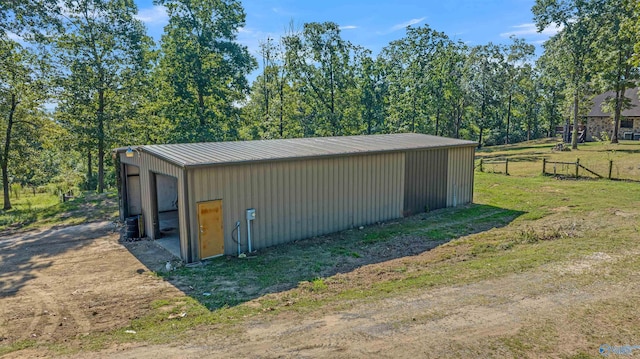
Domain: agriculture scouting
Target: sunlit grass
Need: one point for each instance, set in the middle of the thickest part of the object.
(525, 159)
(522, 223)
(44, 209)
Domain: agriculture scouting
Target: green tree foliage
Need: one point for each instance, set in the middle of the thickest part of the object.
(551, 84)
(114, 88)
(22, 94)
(271, 111)
(634, 25)
(516, 73)
(322, 69)
(616, 38)
(101, 52)
(31, 19)
(484, 88)
(416, 67)
(372, 87)
(576, 18)
(204, 69)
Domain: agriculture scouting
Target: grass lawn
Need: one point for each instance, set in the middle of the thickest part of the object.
(525, 160)
(522, 224)
(45, 210)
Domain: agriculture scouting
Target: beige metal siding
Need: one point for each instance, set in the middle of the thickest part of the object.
(425, 181)
(460, 179)
(149, 164)
(302, 198)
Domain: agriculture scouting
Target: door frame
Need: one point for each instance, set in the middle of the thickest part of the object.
(199, 245)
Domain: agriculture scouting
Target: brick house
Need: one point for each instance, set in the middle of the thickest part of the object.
(599, 121)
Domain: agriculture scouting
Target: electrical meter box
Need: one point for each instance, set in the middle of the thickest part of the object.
(251, 214)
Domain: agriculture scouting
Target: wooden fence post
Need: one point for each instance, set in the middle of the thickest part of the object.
(481, 165)
(506, 167)
(544, 166)
(610, 168)
(577, 166)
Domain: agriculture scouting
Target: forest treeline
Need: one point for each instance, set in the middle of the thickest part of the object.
(81, 77)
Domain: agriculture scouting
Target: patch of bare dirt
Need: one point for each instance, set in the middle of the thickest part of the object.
(460, 321)
(59, 284)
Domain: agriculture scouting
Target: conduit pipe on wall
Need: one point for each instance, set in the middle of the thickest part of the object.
(238, 236)
(251, 215)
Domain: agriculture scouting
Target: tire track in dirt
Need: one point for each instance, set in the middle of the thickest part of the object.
(459, 321)
(59, 284)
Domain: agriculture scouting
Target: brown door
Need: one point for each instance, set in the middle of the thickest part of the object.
(211, 235)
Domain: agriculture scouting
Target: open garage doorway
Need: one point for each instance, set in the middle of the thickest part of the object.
(166, 223)
(133, 198)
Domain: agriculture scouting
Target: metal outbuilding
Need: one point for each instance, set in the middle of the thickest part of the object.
(277, 191)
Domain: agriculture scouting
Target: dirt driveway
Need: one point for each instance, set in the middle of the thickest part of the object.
(58, 284)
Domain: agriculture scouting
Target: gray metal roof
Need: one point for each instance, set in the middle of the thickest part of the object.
(631, 94)
(217, 153)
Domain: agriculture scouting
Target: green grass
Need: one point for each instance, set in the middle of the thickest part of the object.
(521, 223)
(20, 345)
(45, 210)
(230, 281)
(514, 227)
(525, 159)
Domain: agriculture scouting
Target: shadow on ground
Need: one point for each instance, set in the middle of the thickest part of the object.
(23, 254)
(229, 281)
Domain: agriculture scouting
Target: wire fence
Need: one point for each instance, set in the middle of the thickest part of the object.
(623, 170)
(494, 166)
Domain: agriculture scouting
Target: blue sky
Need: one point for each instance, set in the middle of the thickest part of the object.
(374, 23)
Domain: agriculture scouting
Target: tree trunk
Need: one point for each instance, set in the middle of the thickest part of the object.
(574, 137)
(201, 117)
(616, 115)
(619, 97)
(89, 170)
(282, 109)
(101, 143)
(480, 138)
(4, 161)
(437, 120)
(333, 99)
(265, 84)
(413, 113)
(506, 140)
(552, 130)
(459, 112)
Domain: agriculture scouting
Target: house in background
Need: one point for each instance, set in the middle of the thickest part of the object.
(599, 121)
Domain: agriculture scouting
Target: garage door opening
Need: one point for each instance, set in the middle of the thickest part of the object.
(167, 223)
(133, 198)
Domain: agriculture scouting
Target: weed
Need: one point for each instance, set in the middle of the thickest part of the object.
(519, 223)
(532, 235)
(318, 285)
(20, 345)
(342, 251)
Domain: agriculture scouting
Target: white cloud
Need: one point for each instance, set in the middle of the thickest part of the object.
(531, 29)
(348, 27)
(407, 23)
(283, 12)
(15, 37)
(156, 15)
